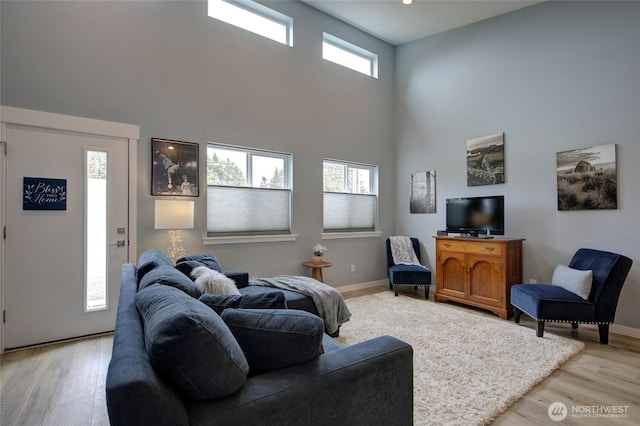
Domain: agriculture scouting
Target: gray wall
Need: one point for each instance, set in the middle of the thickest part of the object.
(181, 75)
(554, 77)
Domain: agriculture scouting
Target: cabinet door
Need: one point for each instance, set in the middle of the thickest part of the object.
(486, 279)
(450, 274)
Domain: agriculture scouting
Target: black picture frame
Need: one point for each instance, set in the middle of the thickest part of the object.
(174, 168)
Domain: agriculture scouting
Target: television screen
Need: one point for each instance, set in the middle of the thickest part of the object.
(476, 215)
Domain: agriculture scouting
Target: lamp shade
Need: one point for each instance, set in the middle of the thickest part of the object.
(174, 214)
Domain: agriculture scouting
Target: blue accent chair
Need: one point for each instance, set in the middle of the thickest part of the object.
(544, 302)
(407, 275)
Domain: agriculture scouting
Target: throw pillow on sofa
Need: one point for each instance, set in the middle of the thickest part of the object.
(170, 276)
(205, 259)
(189, 344)
(149, 260)
(211, 281)
(220, 302)
(274, 338)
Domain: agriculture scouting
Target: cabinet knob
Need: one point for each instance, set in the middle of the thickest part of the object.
(447, 245)
(489, 249)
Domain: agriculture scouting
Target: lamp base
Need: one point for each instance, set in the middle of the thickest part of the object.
(175, 249)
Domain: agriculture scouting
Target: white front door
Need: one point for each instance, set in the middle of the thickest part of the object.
(67, 233)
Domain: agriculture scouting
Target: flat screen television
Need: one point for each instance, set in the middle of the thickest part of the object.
(476, 216)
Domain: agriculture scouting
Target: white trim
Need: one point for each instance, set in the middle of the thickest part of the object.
(345, 235)
(618, 329)
(53, 121)
(361, 286)
(248, 239)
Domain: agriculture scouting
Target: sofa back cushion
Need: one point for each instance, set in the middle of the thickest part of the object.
(149, 260)
(189, 344)
(220, 302)
(170, 276)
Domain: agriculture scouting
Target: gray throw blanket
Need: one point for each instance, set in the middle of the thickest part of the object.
(328, 300)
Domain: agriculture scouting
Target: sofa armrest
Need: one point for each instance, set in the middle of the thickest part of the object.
(369, 383)
(240, 277)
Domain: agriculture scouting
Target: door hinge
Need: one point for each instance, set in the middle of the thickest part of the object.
(4, 232)
(4, 317)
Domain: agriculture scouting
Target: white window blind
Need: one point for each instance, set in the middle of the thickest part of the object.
(247, 210)
(349, 212)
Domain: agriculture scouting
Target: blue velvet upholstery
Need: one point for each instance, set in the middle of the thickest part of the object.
(545, 302)
(412, 275)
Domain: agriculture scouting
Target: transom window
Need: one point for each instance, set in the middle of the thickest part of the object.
(350, 196)
(248, 191)
(349, 55)
(253, 17)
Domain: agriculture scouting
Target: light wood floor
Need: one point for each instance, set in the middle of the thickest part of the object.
(63, 384)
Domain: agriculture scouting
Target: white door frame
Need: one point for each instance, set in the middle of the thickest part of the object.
(88, 126)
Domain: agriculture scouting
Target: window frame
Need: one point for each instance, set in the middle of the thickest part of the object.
(330, 233)
(350, 49)
(260, 11)
(214, 237)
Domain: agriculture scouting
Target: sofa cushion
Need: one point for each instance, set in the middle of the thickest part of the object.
(168, 275)
(149, 260)
(206, 259)
(212, 281)
(573, 280)
(220, 302)
(189, 344)
(274, 338)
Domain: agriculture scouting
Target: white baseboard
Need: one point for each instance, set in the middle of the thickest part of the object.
(618, 329)
(361, 286)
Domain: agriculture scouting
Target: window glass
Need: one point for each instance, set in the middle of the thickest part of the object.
(349, 55)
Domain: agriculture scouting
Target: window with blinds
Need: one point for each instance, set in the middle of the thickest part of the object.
(248, 191)
(350, 196)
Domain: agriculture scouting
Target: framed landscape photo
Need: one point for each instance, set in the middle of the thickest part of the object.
(422, 198)
(174, 170)
(587, 178)
(485, 160)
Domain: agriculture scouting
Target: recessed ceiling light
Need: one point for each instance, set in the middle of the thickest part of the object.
(407, 1)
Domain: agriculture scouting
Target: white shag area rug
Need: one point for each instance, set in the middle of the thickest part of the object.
(468, 367)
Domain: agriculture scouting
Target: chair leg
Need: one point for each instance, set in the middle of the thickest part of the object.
(574, 325)
(540, 328)
(395, 289)
(426, 292)
(390, 286)
(516, 315)
(603, 329)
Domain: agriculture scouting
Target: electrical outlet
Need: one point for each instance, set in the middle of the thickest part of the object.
(353, 267)
(533, 281)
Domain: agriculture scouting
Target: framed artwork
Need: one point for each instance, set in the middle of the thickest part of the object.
(587, 178)
(485, 160)
(174, 168)
(44, 194)
(423, 192)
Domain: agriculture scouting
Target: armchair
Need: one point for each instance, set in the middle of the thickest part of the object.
(403, 274)
(545, 302)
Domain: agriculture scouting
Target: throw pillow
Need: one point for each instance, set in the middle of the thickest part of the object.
(573, 280)
(210, 281)
(206, 259)
(220, 302)
(168, 275)
(273, 338)
(149, 260)
(189, 344)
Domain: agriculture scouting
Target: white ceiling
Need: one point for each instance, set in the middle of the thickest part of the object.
(396, 23)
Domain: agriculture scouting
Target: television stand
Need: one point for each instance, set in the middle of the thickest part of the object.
(478, 272)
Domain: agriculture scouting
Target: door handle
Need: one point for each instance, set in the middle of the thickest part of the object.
(119, 243)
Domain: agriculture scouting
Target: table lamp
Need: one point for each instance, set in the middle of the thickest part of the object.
(174, 215)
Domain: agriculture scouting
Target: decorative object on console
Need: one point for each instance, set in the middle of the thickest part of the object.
(174, 168)
(423, 192)
(587, 178)
(485, 160)
(174, 215)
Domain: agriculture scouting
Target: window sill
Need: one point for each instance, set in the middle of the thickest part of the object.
(248, 239)
(346, 235)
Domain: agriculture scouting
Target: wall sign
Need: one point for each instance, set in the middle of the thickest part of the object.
(44, 194)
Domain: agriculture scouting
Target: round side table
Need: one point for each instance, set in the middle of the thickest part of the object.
(316, 269)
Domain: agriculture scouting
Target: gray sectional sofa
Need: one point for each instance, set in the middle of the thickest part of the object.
(177, 361)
